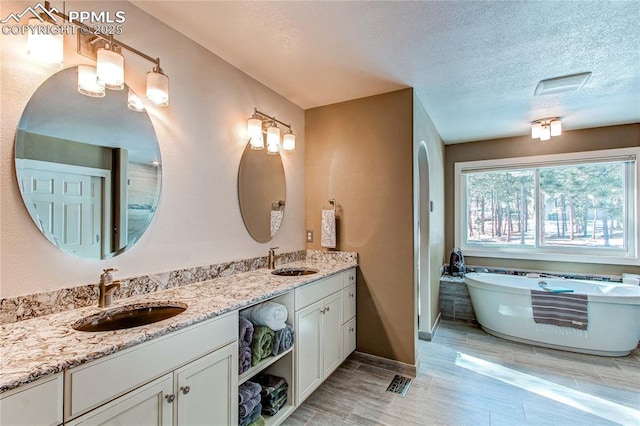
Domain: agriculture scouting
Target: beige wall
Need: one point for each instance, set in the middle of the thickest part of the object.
(202, 135)
(431, 238)
(360, 153)
(570, 141)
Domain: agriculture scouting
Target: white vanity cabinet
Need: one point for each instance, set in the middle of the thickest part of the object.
(36, 404)
(146, 405)
(188, 377)
(319, 333)
(348, 313)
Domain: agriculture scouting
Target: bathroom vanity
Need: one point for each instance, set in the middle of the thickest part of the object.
(182, 370)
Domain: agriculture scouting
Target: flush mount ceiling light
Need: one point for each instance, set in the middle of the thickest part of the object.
(102, 48)
(545, 128)
(564, 84)
(260, 123)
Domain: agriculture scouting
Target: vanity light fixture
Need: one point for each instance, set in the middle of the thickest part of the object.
(545, 128)
(45, 46)
(110, 67)
(134, 103)
(260, 123)
(273, 139)
(158, 86)
(289, 141)
(254, 131)
(102, 48)
(88, 82)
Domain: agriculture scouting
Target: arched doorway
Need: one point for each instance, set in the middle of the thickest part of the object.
(423, 263)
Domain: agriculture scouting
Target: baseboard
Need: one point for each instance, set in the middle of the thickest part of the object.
(428, 335)
(388, 364)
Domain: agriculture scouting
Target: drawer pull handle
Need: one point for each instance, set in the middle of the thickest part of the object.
(350, 294)
(328, 308)
(170, 398)
(185, 389)
(351, 329)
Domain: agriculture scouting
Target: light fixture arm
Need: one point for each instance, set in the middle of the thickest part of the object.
(108, 38)
(263, 115)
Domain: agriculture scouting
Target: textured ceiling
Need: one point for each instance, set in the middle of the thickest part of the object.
(473, 65)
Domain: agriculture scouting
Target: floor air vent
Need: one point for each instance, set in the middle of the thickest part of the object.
(399, 385)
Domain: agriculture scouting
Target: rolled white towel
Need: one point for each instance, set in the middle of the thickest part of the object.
(270, 314)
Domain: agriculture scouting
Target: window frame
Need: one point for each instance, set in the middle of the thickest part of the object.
(625, 256)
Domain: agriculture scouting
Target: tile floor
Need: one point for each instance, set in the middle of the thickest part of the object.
(468, 377)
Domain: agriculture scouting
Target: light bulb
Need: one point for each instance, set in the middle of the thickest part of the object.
(289, 142)
(158, 87)
(254, 131)
(134, 103)
(556, 127)
(110, 69)
(44, 46)
(88, 82)
(273, 139)
(535, 130)
(545, 132)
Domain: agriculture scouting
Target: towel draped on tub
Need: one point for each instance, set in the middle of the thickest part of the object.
(282, 340)
(270, 314)
(562, 309)
(262, 344)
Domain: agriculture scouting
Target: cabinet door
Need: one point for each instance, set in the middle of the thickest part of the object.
(332, 334)
(308, 349)
(348, 338)
(207, 389)
(36, 404)
(149, 405)
(349, 302)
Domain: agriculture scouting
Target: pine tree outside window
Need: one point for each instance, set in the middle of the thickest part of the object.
(584, 205)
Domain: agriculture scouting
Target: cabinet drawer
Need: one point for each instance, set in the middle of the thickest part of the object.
(318, 290)
(35, 404)
(349, 277)
(348, 338)
(349, 303)
(146, 405)
(102, 380)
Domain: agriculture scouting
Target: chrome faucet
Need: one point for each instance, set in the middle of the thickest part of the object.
(271, 260)
(107, 286)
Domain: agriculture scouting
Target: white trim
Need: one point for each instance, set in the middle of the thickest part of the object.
(628, 256)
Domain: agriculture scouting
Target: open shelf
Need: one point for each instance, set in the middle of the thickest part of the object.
(261, 366)
(280, 416)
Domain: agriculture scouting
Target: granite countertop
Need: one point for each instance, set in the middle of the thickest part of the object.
(38, 347)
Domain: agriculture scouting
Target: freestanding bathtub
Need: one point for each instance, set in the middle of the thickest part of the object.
(502, 304)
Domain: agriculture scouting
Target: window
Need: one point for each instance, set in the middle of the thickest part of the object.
(583, 205)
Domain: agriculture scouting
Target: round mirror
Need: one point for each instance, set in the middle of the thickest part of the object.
(88, 168)
(261, 192)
